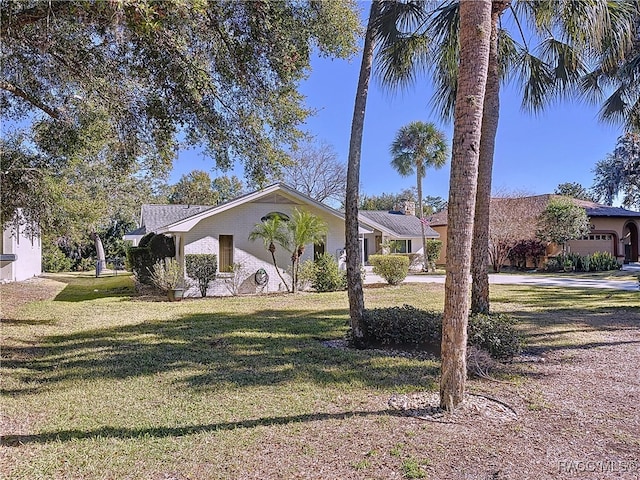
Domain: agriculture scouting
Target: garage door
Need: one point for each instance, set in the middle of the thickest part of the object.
(593, 243)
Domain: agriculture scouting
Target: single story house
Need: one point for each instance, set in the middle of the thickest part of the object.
(224, 230)
(20, 252)
(613, 229)
(400, 227)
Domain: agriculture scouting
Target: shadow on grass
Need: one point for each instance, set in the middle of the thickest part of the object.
(83, 287)
(162, 432)
(209, 351)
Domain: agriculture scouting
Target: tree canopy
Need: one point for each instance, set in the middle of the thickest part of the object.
(575, 190)
(197, 188)
(221, 74)
(619, 173)
(561, 221)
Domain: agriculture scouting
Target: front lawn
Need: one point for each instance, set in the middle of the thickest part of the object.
(100, 384)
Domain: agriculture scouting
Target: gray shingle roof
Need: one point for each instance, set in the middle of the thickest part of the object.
(397, 223)
(156, 216)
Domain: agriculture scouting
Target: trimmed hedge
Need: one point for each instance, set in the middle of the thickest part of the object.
(410, 327)
(393, 268)
(202, 267)
(141, 262)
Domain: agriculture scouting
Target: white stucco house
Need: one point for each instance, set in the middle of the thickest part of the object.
(20, 253)
(224, 230)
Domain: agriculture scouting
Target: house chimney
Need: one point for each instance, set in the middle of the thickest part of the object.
(408, 207)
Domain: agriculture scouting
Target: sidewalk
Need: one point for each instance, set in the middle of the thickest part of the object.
(529, 279)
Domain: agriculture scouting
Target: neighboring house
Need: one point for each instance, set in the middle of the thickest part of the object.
(613, 229)
(20, 253)
(224, 230)
(400, 226)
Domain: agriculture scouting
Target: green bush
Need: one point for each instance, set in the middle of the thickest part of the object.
(603, 261)
(144, 241)
(162, 246)
(203, 268)
(85, 265)
(54, 260)
(327, 277)
(494, 333)
(402, 326)
(141, 262)
(408, 326)
(434, 247)
(393, 268)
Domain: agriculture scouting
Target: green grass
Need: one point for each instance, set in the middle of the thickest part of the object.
(97, 383)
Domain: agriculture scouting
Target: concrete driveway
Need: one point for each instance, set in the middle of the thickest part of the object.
(529, 279)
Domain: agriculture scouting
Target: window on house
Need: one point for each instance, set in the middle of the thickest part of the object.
(319, 249)
(400, 246)
(225, 253)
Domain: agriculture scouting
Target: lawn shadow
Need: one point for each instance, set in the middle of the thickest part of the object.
(84, 287)
(163, 432)
(265, 347)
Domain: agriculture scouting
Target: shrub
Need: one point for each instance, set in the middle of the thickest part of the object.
(167, 275)
(53, 259)
(433, 253)
(306, 274)
(393, 268)
(85, 265)
(409, 326)
(203, 268)
(402, 326)
(327, 276)
(144, 241)
(494, 333)
(141, 262)
(162, 246)
(603, 261)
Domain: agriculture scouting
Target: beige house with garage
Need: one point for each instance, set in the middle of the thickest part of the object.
(613, 229)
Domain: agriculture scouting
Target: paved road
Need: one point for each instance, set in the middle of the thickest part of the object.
(531, 279)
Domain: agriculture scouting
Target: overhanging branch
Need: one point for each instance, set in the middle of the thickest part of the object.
(18, 92)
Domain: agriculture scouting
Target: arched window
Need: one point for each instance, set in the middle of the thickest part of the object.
(283, 216)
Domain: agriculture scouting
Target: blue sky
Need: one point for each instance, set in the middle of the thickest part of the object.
(533, 153)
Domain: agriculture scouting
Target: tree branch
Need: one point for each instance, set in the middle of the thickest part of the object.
(13, 23)
(18, 92)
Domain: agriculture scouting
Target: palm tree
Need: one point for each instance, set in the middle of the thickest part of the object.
(304, 229)
(571, 31)
(475, 18)
(271, 231)
(352, 241)
(416, 147)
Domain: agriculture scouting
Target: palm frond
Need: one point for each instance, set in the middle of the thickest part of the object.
(398, 64)
(538, 82)
(508, 53)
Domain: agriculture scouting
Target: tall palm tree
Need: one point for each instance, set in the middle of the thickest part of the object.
(352, 240)
(416, 147)
(304, 229)
(381, 28)
(571, 31)
(271, 231)
(475, 26)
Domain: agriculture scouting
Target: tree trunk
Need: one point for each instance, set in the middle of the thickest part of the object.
(490, 115)
(475, 33)
(419, 171)
(101, 262)
(275, 264)
(352, 242)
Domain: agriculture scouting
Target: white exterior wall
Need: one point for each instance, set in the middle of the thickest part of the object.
(28, 250)
(239, 222)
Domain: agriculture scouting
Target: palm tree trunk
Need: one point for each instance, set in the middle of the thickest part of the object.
(425, 267)
(275, 264)
(352, 241)
(490, 115)
(475, 33)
